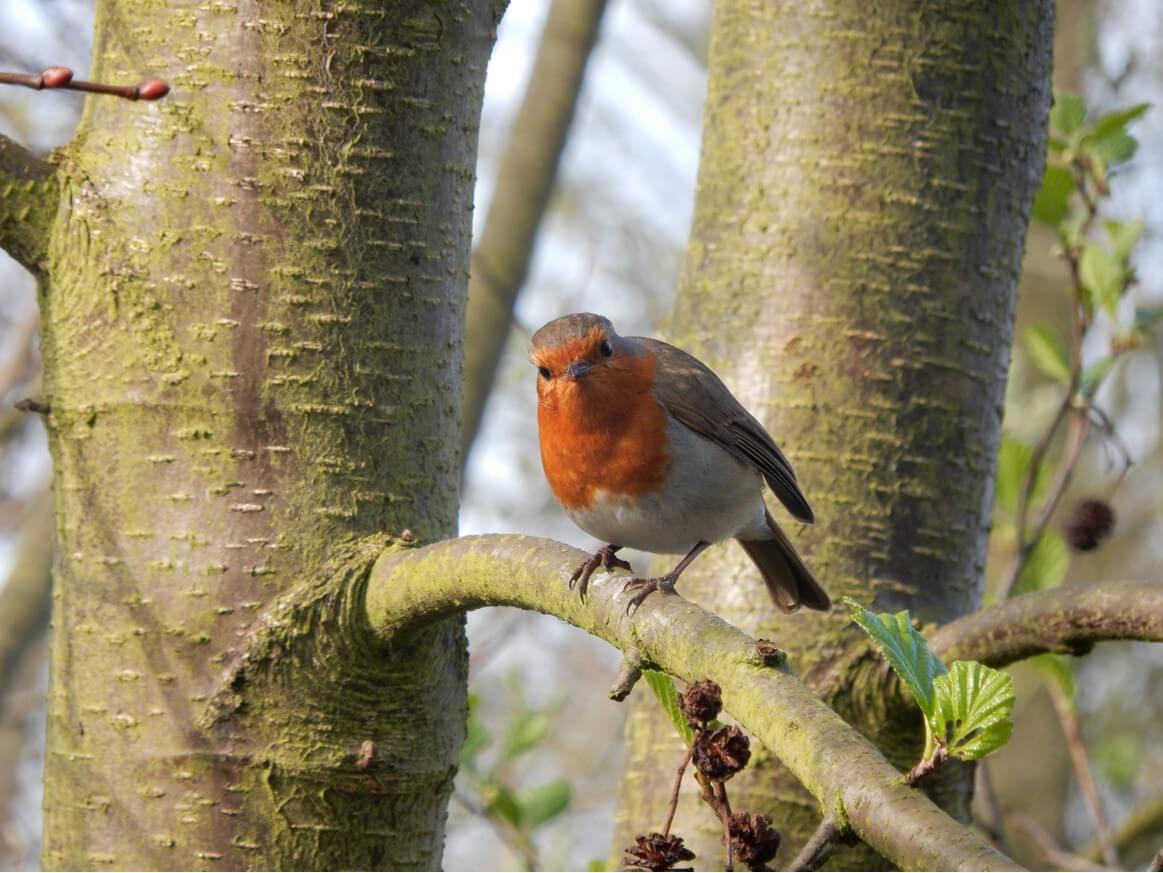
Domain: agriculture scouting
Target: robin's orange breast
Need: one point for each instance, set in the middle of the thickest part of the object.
(603, 432)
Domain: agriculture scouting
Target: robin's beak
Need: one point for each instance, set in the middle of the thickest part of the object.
(578, 369)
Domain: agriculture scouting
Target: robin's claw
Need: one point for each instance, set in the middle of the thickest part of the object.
(605, 557)
(644, 588)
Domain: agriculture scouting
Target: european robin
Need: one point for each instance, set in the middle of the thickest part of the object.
(646, 448)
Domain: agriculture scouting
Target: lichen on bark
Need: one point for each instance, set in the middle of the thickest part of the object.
(252, 347)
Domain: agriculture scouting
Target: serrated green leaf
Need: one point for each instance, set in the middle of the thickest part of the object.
(1053, 198)
(1114, 148)
(1119, 119)
(905, 650)
(501, 802)
(973, 707)
(1068, 112)
(1047, 563)
(663, 687)
(1146, 317)
(1123, 236)
(1057, 669)
(1092, 376)
(525, 732)
(1047, 352)
(1103, 275)
(543, 803)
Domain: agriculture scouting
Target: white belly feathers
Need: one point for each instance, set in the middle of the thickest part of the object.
(711, 497)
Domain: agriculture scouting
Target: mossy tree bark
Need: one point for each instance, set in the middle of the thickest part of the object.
(863, 197)
(252, 320)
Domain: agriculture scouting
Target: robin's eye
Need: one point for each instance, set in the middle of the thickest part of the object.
(606, 349)
(544, 371)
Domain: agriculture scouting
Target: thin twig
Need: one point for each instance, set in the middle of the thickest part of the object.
(1049, 848)
(509, 835)
(927, 765)
(818, 847)
(724, 810)
(686, 759)
(995, 826)
(61, 79)
(1074, 744)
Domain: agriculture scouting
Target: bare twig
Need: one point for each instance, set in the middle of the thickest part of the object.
(686, 759)
(818, 847)
(61, 79)
(1068, 718)
(995, 824)
(1049, 848)
(509, 835)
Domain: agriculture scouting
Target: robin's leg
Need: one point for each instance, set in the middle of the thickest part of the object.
(605, 557)
(643, 587)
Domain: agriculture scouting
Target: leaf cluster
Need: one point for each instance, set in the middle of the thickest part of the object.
(966, 706)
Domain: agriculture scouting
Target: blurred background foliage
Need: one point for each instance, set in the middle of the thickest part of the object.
(539, 773)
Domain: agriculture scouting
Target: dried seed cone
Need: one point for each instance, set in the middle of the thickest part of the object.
(721, 753)
(701, 702)
(1091, 521)
(754, 841)
(656, 852)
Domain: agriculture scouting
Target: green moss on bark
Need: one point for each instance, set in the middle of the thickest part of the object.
(252, 344)
(863, 196)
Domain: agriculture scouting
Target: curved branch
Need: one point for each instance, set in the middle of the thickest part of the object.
(28, 205)
(847, 775)
(1068, 620)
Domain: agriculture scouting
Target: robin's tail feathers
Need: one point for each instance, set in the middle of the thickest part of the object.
(789, 582)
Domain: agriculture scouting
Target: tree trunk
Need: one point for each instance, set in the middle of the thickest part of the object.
(252, 355)
(863, 196)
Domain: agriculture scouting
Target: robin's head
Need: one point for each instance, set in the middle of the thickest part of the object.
(577, 347)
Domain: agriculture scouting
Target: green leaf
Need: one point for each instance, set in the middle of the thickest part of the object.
(596, 865)
(500, 802)
(1114, 148)
(1103, 275)
(974, 704)
(1013, 460)
(663, 687)
(543, 803)
(1118, 120)
(1123, 236)
(1146, 317)
(1047, 352)
(525, 732)
(1109, 138)
(905, 650)
(1093, 375)
(1047, 564)
(1053, 198)
(1068, 112)
(1056, 668)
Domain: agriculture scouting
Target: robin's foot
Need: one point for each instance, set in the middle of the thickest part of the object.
(605, 557)
(643, 588)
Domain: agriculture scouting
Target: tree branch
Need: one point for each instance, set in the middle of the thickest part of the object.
(25, 598)
(847, 775)
(1069, 619)
(28, 205)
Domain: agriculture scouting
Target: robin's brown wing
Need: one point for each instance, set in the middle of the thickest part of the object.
(698, 398)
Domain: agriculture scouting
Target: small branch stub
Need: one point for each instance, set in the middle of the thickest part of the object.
(61, 79)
